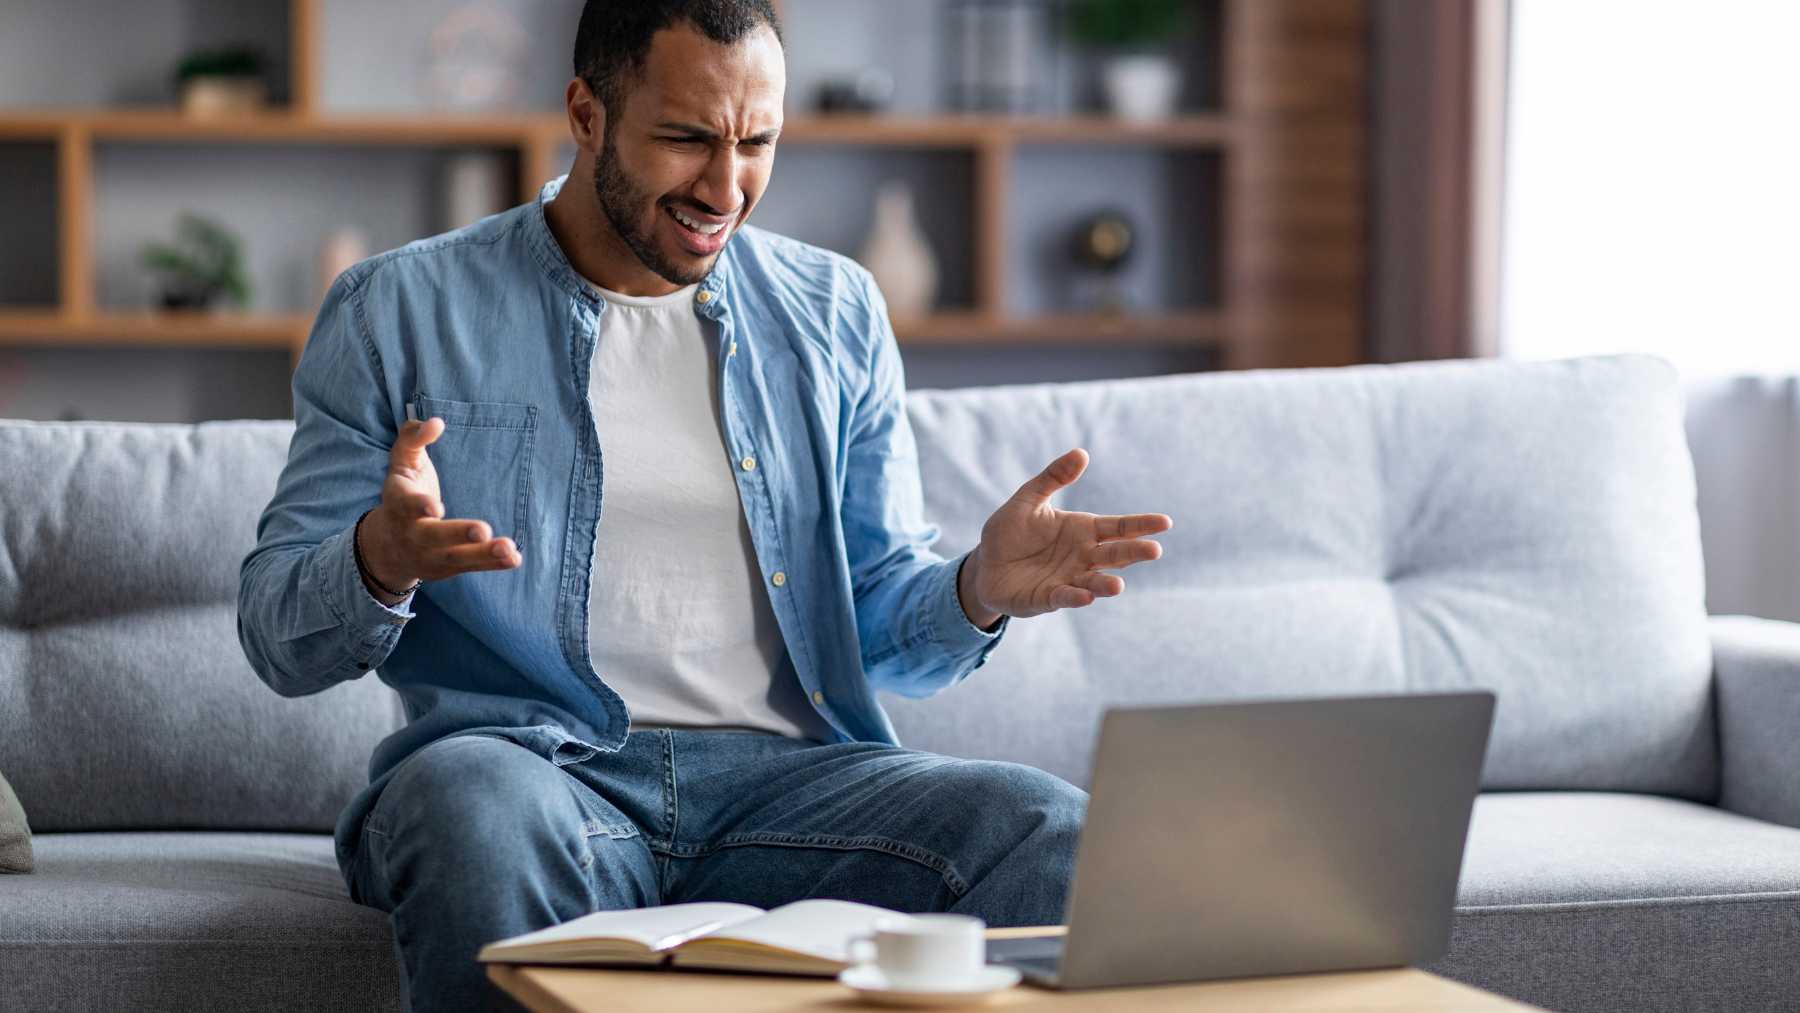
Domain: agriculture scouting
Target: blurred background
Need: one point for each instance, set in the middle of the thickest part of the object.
(1045, 189)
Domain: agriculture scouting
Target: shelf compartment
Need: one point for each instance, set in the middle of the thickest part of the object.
(282, 203)
(1173, 198)
(28, 206)
(825, 196)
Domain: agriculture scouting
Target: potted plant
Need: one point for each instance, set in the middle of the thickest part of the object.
(1141, 79)
(221, 82)
(205, 262)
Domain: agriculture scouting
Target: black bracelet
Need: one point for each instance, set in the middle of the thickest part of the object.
(356, 550)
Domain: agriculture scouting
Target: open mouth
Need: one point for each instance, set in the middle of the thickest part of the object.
(699, 237)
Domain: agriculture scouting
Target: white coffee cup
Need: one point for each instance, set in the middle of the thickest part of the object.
(931, 950)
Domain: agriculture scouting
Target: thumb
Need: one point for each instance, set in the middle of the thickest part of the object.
(413, 437)
(1059, 474)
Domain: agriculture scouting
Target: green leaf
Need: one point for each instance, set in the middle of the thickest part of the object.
(1126, 22)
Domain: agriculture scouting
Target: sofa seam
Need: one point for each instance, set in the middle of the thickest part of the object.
(1583, 906)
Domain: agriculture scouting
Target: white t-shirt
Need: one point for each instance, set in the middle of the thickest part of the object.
(679, 623)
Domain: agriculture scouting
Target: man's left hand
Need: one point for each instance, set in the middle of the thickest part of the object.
(1034, 558)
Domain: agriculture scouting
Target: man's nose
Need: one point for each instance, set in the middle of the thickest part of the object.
(718, 187)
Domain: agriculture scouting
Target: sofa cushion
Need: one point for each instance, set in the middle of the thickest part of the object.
(1524, 527)
(139, 921)
(1599, 901)
(125, 699)
(15, 832)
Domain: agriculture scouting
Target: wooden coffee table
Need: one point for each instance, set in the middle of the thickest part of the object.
(546, 989)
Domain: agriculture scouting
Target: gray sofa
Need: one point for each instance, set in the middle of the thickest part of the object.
(1526, 527)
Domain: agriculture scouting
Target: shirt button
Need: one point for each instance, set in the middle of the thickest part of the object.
(779, 578)
(818, 697)
(732, 350)
(704, 297)
(748, 463)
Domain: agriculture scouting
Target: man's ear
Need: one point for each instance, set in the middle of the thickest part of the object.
(587, 116)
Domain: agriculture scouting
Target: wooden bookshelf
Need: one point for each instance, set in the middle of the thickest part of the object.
(160, 328)
(1290, 138)
(288, 330)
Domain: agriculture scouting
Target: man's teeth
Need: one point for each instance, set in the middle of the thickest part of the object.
(705, 230)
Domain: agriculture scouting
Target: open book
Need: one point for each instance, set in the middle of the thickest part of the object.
(806, 937)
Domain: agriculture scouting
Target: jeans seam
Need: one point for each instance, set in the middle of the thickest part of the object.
(362, 866)
(887, 845)
(670, 803)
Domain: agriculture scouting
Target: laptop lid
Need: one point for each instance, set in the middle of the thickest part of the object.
(1273, 837)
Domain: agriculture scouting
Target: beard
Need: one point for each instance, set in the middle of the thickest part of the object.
(620, 197)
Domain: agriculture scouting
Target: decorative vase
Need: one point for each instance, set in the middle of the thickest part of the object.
(898, 255)
(1142, 86)
(474, 186)
(341, 251)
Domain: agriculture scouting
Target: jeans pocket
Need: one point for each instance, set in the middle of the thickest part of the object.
(483, 461)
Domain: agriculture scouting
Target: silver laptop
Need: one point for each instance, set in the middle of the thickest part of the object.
(1271, 837)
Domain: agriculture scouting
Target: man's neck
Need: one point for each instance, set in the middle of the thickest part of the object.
(591, 244)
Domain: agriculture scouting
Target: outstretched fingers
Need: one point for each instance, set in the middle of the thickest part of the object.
(498, 554)
(1112, 526)
(1108, 555)
(1085, 589)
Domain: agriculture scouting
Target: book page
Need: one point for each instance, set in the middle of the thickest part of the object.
(653, 928)
(817, 928)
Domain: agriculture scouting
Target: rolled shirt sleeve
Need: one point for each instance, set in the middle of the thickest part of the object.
(915, 637)
(305, 620)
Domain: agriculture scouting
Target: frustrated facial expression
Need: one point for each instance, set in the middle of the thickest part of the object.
(689, 154)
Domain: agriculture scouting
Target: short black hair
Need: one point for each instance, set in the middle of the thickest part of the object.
(613, 40)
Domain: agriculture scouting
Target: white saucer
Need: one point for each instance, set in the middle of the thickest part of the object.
(872, 985)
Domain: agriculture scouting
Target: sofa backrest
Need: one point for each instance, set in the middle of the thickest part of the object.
(1526, 527)
(125, 699)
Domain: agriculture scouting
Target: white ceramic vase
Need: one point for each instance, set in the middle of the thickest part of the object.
(898, 255)
(340, 252)
(1142, 87)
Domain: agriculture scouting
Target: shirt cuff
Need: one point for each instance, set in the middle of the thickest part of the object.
(350, 597)
(950, 625)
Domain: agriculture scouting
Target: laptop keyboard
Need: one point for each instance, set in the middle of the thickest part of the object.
(1042, 955)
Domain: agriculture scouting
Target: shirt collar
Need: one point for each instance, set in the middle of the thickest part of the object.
(555, 264)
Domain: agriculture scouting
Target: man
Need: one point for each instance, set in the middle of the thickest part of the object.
(670, 698)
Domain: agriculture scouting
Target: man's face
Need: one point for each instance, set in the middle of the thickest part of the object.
(690, 152)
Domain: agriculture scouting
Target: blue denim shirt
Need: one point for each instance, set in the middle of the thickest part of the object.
(491, 329)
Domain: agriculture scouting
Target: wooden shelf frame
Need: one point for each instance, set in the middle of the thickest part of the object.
(1290, 140)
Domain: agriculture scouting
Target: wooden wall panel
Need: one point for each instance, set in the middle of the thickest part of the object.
(1296, 180)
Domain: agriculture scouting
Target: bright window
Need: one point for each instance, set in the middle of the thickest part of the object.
(1652, 194)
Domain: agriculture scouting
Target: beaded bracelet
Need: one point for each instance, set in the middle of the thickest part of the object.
(356, 550)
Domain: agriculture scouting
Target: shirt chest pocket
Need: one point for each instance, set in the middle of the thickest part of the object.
(483, 460)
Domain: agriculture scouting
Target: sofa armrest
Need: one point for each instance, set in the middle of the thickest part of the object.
(1756, 672)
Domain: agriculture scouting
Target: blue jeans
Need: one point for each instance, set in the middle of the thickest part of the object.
(476, 838)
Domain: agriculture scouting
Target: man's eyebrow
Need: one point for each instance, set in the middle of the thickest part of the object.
(706, 133)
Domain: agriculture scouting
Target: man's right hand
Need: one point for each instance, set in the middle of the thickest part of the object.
(406, 538)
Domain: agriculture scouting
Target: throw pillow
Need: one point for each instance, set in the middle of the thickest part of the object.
(15, 833)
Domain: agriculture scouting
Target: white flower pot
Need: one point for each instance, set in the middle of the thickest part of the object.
(1142, 87)
(220, 95)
